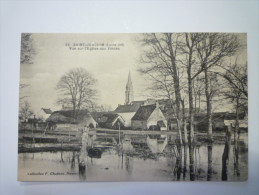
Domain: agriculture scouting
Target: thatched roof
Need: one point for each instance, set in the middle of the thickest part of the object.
(66, 116)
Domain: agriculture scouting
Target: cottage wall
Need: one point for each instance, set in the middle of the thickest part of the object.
(156, 116)
(137, 124)
(89, 121)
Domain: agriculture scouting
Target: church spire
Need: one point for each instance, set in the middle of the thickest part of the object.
(129, 95)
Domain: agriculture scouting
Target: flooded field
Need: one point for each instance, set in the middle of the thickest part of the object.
(147, 158)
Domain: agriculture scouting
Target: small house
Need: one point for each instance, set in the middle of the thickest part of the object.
(128, 111)
(149, 117)
(44, 113)
(64, 119)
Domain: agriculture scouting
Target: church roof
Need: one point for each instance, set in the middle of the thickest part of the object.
(133, 107)
(129, 85)
(144, 112)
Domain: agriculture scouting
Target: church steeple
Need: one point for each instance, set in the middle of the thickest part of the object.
(129, 94)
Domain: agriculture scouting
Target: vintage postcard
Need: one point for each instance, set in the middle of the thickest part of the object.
(133, 107)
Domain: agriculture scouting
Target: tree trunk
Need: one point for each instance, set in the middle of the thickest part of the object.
(237, 117)
(208, 102)
(185, 138)
(199, 101)
(176, 86)
(190, 92)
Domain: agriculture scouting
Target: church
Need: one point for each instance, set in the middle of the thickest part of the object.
(130, 107)
(134, 110)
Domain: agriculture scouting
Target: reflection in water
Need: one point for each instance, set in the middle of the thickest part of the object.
(185, 161)
(157, 145)
(209, 173)
(83, 155)
(236, 154)
(225, 156)
(73, 160)
(61, 156)
(129, 164)
(191, 164)
(82, 171)
(145, 158)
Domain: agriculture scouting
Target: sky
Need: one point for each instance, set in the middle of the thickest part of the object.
(55, 55)
(54, 58)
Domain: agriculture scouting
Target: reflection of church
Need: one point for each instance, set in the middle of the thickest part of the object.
(144, 115)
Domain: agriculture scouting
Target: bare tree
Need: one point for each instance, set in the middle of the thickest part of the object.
(161, 64)
(236, 89)
(188, 48)
(77, 89)
(93, 107)
(198, 88)
(26, 111)
(27, 49)
(212, 50)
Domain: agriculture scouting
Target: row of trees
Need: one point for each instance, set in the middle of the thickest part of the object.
(188, 67)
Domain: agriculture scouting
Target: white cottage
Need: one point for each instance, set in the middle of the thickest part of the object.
(149, 117)
(128, 111)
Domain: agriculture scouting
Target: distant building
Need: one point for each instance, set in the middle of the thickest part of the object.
(129, 93)
(220, 120)
(149, 117)
(64, 117)
(128, 111)
(230, 118)
(44, 113)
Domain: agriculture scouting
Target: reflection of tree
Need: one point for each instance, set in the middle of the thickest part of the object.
(128, 164)
(236, 157)
(61, 157)
(209, 173)
(185, 161)
(73, 161)
(225, 156)
(82, 160)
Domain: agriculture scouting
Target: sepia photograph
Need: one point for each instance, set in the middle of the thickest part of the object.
(133, 107)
